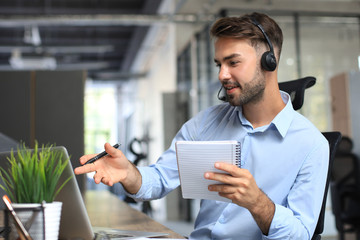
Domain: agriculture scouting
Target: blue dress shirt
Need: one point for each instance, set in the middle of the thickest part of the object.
(288, 159)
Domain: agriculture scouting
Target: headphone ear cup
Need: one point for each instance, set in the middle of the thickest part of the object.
(268, 61)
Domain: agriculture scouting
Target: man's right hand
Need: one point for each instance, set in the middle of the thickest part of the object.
(111, 169)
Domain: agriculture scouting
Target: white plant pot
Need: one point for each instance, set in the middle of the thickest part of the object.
(52, 220)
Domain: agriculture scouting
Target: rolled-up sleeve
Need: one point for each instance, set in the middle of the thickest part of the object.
(298, 218)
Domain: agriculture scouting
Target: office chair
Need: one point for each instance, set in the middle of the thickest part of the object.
(334, 139)
(345, 190)
(296, 90)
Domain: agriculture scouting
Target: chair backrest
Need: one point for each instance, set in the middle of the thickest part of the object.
(296, 89)
(345, 189)
(346, 165)
(334, 140)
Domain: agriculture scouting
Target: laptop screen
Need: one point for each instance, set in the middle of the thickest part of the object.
(75, 223)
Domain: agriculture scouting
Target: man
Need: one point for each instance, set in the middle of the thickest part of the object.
(278, 192)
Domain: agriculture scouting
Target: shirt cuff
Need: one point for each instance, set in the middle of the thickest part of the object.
(279, 225)
(140, 195)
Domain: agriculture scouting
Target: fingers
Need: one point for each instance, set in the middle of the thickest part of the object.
(111, 150)
(230, 168)
(85, 169)
(108, 148)
(99, 177)
(103, 167)
(235, 183)
(107, 181)
(221, 188)
(232, 180)
(220, 177)
(231, 171)
(85, 158)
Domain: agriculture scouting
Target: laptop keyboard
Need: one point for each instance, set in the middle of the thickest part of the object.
(112, 236)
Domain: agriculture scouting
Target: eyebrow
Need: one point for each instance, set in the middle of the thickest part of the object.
(228, 57)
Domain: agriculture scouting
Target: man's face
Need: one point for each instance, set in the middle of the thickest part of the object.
(239, 71)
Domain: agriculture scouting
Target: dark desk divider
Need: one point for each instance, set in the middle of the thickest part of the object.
(47, 106)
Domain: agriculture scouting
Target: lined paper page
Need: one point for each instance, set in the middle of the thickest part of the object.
(197, 157)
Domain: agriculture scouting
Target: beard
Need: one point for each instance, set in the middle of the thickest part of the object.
(251, 92)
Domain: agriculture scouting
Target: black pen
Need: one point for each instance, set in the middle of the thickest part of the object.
(100, 155)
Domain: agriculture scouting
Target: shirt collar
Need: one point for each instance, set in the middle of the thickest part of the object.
(282, 120)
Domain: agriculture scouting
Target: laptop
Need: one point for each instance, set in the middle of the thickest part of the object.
(75, 222)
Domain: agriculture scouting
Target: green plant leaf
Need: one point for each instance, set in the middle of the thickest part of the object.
(34, 174)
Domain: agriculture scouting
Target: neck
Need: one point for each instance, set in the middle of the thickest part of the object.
(262, 112)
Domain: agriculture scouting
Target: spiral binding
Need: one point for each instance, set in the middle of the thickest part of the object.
(238, 161)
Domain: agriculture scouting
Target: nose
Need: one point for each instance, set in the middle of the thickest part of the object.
(224, 73)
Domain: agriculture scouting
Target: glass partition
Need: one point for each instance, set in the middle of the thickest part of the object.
(313, 46)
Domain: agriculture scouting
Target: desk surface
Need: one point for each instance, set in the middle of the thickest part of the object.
(106, 210)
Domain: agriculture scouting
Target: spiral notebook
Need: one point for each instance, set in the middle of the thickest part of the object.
(194, 158)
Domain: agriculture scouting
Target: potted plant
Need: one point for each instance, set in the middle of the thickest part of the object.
(32, 181)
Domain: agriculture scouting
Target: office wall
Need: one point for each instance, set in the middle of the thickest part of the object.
(47, 106)
(175, 115)
(16, 104)
(160, 65)
(344, 105)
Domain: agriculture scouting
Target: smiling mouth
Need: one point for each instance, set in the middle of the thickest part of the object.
(230, 87)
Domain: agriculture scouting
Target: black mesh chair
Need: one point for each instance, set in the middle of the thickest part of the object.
(345, 190)
(334, 139)
(296, 90)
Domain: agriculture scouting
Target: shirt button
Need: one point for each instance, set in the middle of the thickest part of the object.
(222, 220)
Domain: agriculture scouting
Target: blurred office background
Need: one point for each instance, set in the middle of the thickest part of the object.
(141, 68)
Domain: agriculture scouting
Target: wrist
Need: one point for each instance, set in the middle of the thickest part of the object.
(263, 212)
(133, 179)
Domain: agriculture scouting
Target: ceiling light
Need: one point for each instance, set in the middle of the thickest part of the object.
(17, 61)
(32, 35)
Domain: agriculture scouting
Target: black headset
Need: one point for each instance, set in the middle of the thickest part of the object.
(268, 60)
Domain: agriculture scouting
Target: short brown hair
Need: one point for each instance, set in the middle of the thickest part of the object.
(243, 28)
